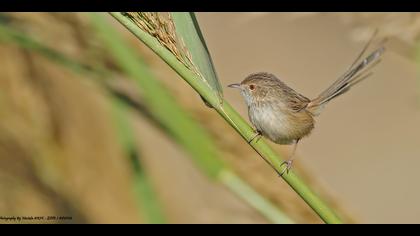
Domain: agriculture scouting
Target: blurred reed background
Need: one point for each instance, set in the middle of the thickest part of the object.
(89, 133)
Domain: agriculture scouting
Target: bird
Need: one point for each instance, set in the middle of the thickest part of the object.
(285, 116)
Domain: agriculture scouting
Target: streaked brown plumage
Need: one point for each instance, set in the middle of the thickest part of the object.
(283, 115)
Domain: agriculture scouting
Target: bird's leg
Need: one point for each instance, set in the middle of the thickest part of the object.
(257, 135)
(290, 160)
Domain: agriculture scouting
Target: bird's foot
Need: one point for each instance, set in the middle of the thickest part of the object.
(288, 164)
(256, 136)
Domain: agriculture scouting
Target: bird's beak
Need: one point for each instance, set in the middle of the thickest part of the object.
(234, 85)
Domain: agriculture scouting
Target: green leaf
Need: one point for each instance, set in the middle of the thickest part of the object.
(187, 28)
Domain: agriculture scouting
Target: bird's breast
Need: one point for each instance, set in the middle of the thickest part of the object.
(280, 124)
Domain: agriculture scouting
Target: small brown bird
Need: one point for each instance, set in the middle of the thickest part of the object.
(283, 115)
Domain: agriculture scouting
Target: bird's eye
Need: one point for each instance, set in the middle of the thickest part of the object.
(251, 87)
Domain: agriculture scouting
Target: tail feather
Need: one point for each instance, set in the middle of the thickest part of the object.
(353, 75)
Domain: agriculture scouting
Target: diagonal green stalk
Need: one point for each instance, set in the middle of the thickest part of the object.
(233, 118)
(143, 187)
(9, 34)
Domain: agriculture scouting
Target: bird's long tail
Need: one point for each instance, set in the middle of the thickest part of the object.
(358, 71)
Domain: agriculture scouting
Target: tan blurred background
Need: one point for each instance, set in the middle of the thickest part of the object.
(59, 154)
